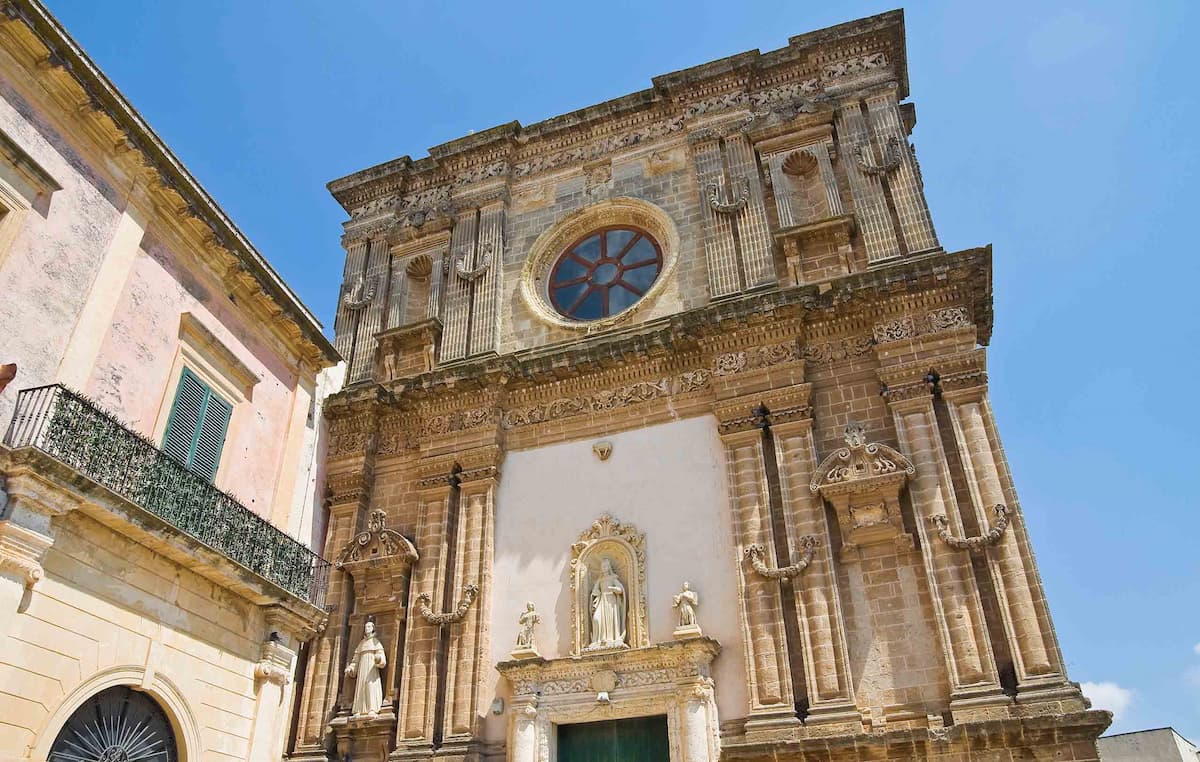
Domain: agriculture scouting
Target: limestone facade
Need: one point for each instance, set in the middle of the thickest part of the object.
(792, 416)
(121, 570)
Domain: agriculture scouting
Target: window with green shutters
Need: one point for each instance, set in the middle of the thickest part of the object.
(197, 425)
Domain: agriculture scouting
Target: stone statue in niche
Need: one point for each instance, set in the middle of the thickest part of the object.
(526, 645)
(686, 601)
(608, 609)
(364, 668)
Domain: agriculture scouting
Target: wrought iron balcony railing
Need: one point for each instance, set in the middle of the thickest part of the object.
(75, 431)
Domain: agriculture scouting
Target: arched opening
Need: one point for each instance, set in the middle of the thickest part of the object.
(117, 724)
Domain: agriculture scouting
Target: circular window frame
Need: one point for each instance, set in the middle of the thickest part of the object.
(606, 259)
(553, 243)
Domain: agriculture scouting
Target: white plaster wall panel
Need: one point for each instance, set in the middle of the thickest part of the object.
(668, 481)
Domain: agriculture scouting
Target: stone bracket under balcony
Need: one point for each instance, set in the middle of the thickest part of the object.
(29, 470)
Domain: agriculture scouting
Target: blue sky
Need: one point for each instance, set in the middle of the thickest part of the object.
(1062, 133)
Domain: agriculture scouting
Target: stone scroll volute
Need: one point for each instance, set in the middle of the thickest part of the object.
(625, 548)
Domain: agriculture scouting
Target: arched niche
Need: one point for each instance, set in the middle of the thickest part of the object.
(625, 547)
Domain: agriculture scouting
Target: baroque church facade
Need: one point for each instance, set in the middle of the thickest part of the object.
(666, 435)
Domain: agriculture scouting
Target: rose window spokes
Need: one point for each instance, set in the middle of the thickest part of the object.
(116, 725)
(605, 273)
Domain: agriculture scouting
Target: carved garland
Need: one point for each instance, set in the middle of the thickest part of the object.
(973, 544)
(361, 293)
(734, 205)
(470, 593)
(756, 554)
(892, 158)
(469, 275)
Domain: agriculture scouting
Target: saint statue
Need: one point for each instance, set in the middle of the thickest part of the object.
(527, 620)
(608, 609)
(364, 667)
(687, 601)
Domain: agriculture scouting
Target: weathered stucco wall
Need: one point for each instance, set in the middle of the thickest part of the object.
(107, 602)
(667, 480)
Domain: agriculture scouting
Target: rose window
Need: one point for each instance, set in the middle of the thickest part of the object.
(604, 273)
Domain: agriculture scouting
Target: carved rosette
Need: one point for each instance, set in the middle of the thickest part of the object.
(862, 481)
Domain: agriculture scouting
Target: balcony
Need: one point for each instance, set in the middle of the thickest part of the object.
(76, 433)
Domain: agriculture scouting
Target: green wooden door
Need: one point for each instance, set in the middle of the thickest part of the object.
(642, 739)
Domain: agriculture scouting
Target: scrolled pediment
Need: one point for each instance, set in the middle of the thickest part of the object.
(378, 545)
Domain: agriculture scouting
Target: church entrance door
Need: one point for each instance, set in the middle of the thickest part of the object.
(642, 739)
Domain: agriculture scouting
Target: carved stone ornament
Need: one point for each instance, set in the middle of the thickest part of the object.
(361, 293)
(672, 679)
(603, 450)
(472, 275)
(973, 544)
(377, 546)
(863, 481)
(735, 204)
(609, 555)
(799, 163)
(756, 555)
(470, 593)
(275, 664)
(892, 158)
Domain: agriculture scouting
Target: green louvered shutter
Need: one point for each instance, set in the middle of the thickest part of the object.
(196, 427)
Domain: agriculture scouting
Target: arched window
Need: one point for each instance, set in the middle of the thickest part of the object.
(604, 273)
(116, 725)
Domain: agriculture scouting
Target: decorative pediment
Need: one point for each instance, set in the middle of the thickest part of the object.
(860, 466)
(863, 481)
(377, 546)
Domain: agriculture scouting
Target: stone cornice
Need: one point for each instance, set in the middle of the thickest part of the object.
(816, 67)
(101, 97)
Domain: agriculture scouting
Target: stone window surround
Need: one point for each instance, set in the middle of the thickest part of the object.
(213, 363)
(617, 212)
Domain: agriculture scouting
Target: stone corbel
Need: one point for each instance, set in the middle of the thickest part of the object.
(470, 593)
(21, 552)
(973, 544)
(275, 664)
(736, 204)
(756, 554)
(892, 158)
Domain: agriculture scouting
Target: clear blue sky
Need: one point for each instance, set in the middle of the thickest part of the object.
(1063, 133)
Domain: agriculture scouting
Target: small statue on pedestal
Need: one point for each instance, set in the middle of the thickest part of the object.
(526, 646)
(364, 668)
(686, 601)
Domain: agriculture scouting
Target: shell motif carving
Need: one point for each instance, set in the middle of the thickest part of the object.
(799, 163)
(734, 205)
(419, 268)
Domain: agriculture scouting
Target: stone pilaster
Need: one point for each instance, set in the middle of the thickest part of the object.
(720, 249)
(904, 180)
(1023, 610)
(761, 602)
(456, 313)
(754, 235)
(489, 256)
(469, 643)
(970, 663)
(818, 600)
(370, 320)
(345, 321)
(870, 205)
(419, 681)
